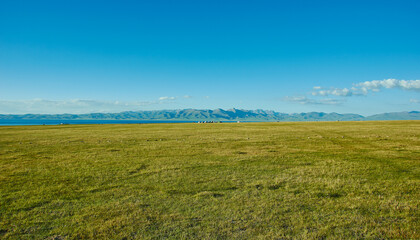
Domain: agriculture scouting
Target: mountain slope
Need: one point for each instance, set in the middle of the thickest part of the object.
(218, 115)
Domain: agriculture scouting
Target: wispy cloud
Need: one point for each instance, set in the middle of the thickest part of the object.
(364, 88)
(414, 101)
(308, 101)
(77, 106)
(344, 92)
(167, 98)
(69, 106)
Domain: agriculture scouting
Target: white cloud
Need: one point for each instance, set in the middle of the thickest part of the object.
(364, 87)
(167, 98)
(344, 92)
(309, 101)
(390, 83)
(414, 101)
(77, 106)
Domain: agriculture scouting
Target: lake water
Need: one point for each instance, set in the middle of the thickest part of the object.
(4, 122)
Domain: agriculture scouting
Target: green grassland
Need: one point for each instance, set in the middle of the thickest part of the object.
(318, 180)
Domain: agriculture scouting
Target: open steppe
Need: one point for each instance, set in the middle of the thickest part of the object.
(307, 180)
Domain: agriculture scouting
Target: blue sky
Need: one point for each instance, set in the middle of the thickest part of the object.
(287, 56)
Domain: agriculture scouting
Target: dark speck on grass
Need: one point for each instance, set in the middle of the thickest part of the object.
(3, 231)
(274, 187)
(297, 191)
(329, 195)
(239, 152)
(209, 194)
(217, 195)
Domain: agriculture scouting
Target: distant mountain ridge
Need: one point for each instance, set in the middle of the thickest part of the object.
(217, 115)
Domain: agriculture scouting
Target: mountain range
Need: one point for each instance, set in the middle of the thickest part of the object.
(217, 115)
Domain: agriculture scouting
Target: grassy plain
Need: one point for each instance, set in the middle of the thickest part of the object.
(342, 180)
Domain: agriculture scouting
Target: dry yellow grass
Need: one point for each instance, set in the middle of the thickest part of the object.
(344, 180)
